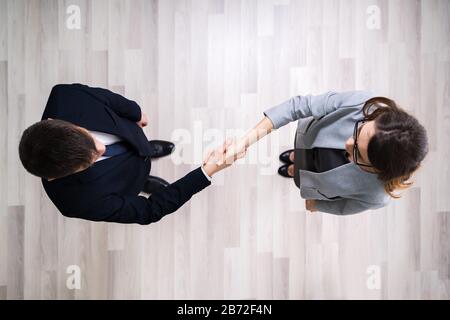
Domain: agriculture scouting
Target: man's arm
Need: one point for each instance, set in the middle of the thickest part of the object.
(143, 210)
(165, 200)
(122, 106)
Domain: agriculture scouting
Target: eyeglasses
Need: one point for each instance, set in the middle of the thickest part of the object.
(358, 126)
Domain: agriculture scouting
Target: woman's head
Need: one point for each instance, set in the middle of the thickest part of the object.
(392, 141)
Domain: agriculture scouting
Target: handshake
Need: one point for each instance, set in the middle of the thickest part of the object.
(224, 156)
(233, 149)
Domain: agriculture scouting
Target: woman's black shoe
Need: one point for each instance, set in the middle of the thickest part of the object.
(283, 171)
(284, 157)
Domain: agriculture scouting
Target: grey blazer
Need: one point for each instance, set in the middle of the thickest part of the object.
(327, 121)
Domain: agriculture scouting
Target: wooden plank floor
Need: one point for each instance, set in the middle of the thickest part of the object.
(204, 68)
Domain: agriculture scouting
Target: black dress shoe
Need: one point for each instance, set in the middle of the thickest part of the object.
(283, 171)
(284, 157)
(161, 148)
(153, 183)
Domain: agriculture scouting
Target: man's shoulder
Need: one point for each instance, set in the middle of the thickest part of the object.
(58, 91)
(66, 99)
(64, 88)
(71, 198)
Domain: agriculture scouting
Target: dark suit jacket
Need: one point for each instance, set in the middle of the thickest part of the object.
(108, 190)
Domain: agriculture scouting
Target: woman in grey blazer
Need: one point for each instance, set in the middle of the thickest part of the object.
(352, 149)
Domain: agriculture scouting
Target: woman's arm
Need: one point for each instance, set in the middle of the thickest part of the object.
(293, 109)
(263, 128)
(239, 146)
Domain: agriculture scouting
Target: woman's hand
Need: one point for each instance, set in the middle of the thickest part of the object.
(310, 205)
(143, 122)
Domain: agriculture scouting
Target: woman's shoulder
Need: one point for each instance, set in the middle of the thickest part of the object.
(378, 197)
(354, 98)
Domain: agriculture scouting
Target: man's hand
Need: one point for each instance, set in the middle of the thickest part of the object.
(143, 122)
(310, 205)
(215, 160)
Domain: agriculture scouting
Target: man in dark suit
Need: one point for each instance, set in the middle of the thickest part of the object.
(94, 158)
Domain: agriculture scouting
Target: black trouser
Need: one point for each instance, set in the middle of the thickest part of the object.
(297, 157)
(302, 160)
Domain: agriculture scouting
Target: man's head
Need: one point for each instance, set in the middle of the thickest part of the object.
(56, 148)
